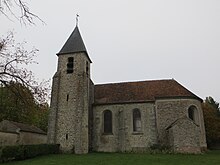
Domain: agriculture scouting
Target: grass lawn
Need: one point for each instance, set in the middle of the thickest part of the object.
(210, 158)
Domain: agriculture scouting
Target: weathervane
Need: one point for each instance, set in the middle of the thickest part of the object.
(77, 19)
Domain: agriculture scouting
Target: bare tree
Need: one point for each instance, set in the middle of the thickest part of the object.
(22, 97)
(19, 10)
(13, 61)
(14, 57)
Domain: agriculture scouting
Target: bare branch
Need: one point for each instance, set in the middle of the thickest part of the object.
(13, 57)
(19, 10)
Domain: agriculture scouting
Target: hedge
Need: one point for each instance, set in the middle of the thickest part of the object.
(21, 152)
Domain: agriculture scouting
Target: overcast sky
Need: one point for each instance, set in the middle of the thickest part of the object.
(131, 40)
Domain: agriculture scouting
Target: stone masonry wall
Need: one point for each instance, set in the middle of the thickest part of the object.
(169, 110)
(183, 136)
(21, 138)
(71, 126)
(52, 119)
(7, 138)
(27, 138)
(123, 138)
(91, 101)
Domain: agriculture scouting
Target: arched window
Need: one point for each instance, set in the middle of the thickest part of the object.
(136, 120)
(192, 113)
(107, 121)
(70, 65)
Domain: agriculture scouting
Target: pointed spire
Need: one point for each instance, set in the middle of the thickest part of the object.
(74, 44)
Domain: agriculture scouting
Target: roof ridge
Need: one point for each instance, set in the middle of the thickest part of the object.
(26, 127)
(190, 91)
(135, 81)
(181, 118)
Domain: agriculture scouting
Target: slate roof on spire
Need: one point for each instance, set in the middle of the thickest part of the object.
(74, 44)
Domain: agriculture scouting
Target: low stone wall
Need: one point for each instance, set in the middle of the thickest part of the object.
(27, 138)
(8, 138)
(22, 138)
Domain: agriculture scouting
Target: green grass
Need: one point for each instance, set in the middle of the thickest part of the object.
(210, 158)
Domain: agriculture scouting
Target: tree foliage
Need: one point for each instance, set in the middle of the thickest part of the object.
(14, 59)
(212, 120)
(211, 102)
(22, 109)
(22, 97)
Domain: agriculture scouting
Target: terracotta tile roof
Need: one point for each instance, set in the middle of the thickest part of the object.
(142, 91)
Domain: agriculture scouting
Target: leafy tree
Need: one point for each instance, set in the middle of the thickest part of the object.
(210, 101)
(212, 121)
(41, 117)
(22, 109)
(14, 56)
(22, 97)
(13, 61)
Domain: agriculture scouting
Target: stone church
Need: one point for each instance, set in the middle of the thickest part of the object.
(119, 117)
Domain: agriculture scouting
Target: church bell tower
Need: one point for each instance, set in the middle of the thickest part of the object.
(69, 109)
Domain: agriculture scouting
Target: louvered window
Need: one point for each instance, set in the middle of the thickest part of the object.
(70, 65)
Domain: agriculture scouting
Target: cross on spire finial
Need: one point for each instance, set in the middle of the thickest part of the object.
(77, 19)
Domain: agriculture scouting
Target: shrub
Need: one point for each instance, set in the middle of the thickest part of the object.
(22, 152)
(157, 148)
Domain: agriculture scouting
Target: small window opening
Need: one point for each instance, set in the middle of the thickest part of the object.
(87, 67)
(67, 136)
(191, 114)
(67, 97)
(70, 65)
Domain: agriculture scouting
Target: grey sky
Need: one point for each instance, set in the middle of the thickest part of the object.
(131, 40)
